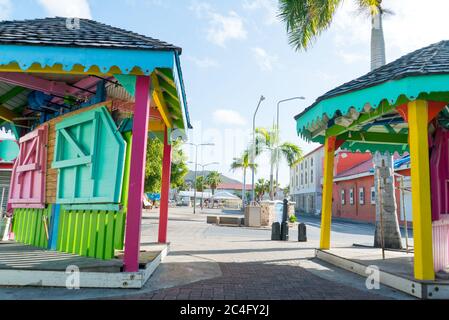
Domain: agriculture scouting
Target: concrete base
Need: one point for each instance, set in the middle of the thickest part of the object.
(55, 269)
(396, 271)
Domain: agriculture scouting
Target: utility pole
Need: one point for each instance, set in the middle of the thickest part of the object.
(196, 170)
(253, 160)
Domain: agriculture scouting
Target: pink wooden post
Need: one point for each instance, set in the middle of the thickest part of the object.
(137, 174)
(165, 190)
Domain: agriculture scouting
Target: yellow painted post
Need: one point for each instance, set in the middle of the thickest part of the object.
(328, 177)
(420, 174)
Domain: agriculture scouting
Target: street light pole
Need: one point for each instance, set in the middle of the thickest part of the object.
(202, 174)
(253, 160)
(278, 138)
(196, 170)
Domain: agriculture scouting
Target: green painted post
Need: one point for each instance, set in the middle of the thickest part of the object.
(101, 235)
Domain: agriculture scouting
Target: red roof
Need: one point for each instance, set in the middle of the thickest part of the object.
(363, 167)
(360, 168)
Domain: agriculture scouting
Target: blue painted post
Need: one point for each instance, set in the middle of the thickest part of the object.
(54, 226)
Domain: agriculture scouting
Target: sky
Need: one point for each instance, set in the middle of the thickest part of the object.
(234, 51)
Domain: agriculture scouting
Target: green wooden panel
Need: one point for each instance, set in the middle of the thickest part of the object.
(101, 241)
(78, 231)
(62, 230)
(93, 222)
(110, 228)
(37, 235)
(29, 228)
(70, 231)
(119, 230)
(88, 233)
(85, 234)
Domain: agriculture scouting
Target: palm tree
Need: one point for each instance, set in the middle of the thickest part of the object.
(268, 140)
(244, 162)
(305, 21)
(261, 188)
(213, 179)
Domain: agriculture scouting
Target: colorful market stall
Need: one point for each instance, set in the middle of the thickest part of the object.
(400, 107)
(84, 97)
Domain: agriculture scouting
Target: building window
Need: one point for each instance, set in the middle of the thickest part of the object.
(351, 196)
(311, 176)
(362, 195)
(306, 164)
(343, 197)
(373, 195)
(307, 181)
(302, 179)
(311, 162)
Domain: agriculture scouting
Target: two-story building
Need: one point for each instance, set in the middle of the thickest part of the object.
(305, 182)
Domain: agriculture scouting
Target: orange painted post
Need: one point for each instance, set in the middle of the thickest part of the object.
(328, 177)
(165, 189)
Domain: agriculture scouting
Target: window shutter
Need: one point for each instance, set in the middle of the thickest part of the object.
(90, 154)
(28, 177)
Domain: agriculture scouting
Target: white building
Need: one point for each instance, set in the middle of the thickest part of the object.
(305, 182)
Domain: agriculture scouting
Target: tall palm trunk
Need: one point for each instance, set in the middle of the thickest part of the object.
(391, 233)
(244, 190)
(271, 175)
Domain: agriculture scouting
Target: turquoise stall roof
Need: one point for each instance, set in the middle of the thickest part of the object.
(422, 74)
(85, 46)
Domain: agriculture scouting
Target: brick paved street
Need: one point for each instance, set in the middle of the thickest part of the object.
(215, 262)
(257, 281)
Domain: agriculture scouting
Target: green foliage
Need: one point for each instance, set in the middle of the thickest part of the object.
(244, 162)
(153, 169)
(293, 219)
(213, 179)
(307, 19)
(261, 188)
(200, 183)
(179, 168)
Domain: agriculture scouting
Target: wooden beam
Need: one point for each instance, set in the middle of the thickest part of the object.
(35, 83)
(11, 94)
(7, 114)
(160, 101)
(375, 137)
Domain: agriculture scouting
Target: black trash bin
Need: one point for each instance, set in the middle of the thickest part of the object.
(284, 231)
(302, 232)
(276, 231)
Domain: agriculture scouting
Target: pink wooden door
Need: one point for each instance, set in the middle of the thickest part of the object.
(28, 176)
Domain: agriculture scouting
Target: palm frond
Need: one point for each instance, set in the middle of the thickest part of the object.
(306, 19)
(292, 153)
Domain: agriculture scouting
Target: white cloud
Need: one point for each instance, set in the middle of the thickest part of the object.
(72, 8)
(269, 6)
(351, 57)
(204, 62)
(228, 117)
(265, 61)
(5, 9)
(222, 27)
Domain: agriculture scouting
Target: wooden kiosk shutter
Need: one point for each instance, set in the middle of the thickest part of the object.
(89, 153)
(28, 177)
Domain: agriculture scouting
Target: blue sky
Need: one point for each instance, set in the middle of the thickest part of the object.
(236, 50)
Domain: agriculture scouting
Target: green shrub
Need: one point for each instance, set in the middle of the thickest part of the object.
(293, 219)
